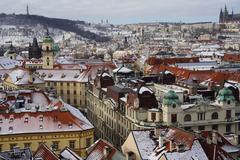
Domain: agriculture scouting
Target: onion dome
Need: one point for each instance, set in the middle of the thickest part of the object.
(225, 95)
(171, 98)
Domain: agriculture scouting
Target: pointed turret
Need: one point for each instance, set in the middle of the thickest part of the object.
(225, 12)
(221, 16)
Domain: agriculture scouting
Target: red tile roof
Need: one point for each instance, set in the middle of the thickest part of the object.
(231, 57)
(97, 152)
(45, 153)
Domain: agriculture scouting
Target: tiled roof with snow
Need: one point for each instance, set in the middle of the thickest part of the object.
(195, 153)
(59, 120)
(7, 63)
(22, 76)
(144, 143)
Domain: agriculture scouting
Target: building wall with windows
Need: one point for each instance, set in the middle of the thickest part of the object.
(219, 115)
(59, 140)
(71, 92)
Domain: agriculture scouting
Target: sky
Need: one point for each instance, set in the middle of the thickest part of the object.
(124, 11)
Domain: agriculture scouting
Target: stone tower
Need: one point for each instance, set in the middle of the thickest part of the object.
(47, 52)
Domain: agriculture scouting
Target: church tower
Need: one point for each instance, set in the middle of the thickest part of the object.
(225, 14)
(221, 16)
(47, 52)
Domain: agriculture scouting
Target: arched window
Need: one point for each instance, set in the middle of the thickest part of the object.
(228, 102)
(174, 105)
(215, 115)
(187, 118)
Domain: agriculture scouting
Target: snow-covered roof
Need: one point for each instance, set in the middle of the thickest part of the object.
(7, 63)
(122, 70)
(22, 76)
(195, 153)
(144, 143)
(144, 89)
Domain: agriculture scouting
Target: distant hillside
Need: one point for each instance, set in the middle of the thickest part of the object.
(63, 24)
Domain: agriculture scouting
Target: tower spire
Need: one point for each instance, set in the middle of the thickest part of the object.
(221, 16)
(27, 10)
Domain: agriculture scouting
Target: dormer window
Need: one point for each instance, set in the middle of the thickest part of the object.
(59, 125)
(41, 118)
(41, 126)
(63, 75)
(10, 129)
(11, 120)
(26, 120)
(1, 121)
(70, 125)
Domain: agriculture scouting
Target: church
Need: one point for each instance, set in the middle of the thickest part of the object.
(226, 17)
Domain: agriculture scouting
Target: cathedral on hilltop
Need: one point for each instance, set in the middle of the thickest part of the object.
(226, 17)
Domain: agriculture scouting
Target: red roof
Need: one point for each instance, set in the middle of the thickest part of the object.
(158, 61)
(231, 57)
(97, 152)
(45, 153)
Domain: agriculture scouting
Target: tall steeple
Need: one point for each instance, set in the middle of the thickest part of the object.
(225, 11)
(221, 16)
(27, 10)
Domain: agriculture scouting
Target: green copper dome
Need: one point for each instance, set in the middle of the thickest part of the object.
(56, 48)
(171, 98)
(48, 39)
(225, 95)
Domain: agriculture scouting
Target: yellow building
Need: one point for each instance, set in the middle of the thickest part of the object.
(60, 128)
(67, 83)
(20, 78)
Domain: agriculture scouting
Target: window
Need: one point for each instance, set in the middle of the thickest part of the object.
(228, 102)
(153, 116)
(75, 101)
(174, 105)
(174, 118)
(74, 92)
(215, 127)
(228, 114)
(88, 142)
(239, 126)
(201, 128)
(215, 115)
(1, 147)
(187, 118)
(12, 145)
(61, 91)
(72, 144)
(55, 145)
(61, 83)
(68, 101)
(188, 128)
(74, 84)
(68, 92)
(228, 128)
(201, 116)
(27, 145)
(67, 84)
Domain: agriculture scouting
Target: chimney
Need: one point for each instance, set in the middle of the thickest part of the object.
(157, 131)
(214, 137)
(106, 152)
(30, 79)
(171, 145)
(160, 143)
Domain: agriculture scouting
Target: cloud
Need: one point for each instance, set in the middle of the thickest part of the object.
(123, 11)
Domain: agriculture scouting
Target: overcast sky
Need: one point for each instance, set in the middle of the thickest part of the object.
(123, 11)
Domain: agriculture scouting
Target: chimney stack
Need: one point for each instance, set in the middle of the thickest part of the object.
(161, 143)
(106, 152)
(214, 137)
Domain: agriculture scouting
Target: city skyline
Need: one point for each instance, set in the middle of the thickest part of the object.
(134, 11)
